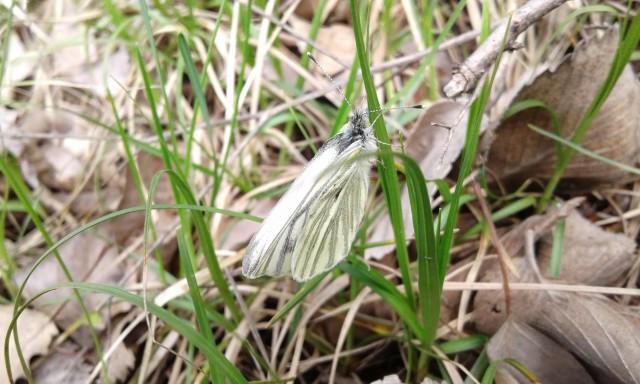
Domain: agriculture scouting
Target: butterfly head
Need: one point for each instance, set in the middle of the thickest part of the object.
(357, 131)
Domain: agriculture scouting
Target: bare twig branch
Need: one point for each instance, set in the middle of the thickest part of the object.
(466, 75)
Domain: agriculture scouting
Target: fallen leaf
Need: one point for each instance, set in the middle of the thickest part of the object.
(591, 255)
(603, 334)
(8, 119)
(88, 257)
(122, 360)
(35, 332)
(97, 67)
(550, 362)
(126, 227)
(335, 11)
(336, 38)
(57, 163)
(241, 232)
(67, 365)
(518, 153)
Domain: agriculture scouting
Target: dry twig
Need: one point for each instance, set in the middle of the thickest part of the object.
(466, 75)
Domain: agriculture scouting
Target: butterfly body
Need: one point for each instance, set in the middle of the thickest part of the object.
(311, 228)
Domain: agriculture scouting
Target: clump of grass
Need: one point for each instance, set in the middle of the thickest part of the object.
(220, 156)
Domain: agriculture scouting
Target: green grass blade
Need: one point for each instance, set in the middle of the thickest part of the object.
(557, 248)
(476, 113)
(198, 302)
(388, 176)
(10, 170)
(388, 292)
(200, 101)
(512, 208)
(181, 326)
(576, 147)
(206, 244)
(429, 287)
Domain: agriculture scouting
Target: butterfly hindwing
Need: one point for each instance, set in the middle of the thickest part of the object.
(332, 220)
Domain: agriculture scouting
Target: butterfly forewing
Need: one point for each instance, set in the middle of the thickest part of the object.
(332, 222)
(269, 251)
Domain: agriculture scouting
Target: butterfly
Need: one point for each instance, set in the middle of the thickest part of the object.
(312, 227)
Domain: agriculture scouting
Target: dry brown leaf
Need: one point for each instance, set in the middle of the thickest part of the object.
(581, 266)
(8, 118)
(426, 145)
(603, 334)
(504, 376)
(92, 203)
(591, 255)
(550, 362)
(336, 38)
(513, 241)
(590, 327)
(57, 163)
(127, 227)
(88, 257)
(106, 74)
(490, 311)
(518, 153)
(84, 61)
(37, 122)
(335, 11)
(35, 332)
(122, 360)
(67, 365)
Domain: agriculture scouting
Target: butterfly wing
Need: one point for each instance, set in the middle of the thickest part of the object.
(313, 225)
(331, 221)
(269, 251)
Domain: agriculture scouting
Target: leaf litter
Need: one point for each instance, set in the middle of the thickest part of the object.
(559, 335)
(518, 153)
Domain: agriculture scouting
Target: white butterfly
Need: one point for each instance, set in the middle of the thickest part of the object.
(311, 228)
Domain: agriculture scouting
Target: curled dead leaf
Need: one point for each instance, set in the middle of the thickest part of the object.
(591, 255)
(335, 11)
(549, 361)
(518, 153)
(88, 257)
(603, 334)
(66, 365)
(590, 327)
(35, 332)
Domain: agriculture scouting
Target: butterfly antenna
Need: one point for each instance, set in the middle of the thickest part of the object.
(379, 111)
(330, 79)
